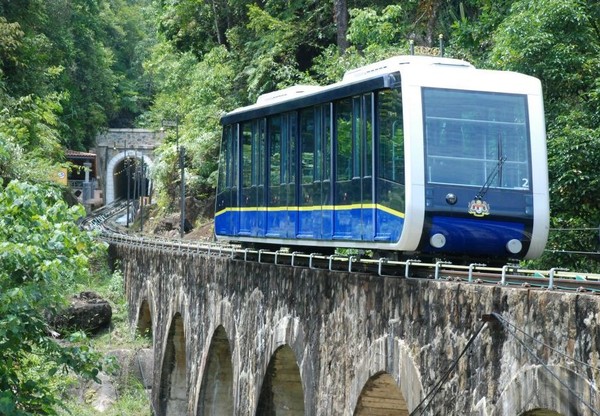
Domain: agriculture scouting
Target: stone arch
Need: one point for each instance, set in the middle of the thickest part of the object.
(173, 384)
(144, 321)
(216, 391)
(281, 392)
(387, 359)
(114, 163)
(534, 391)
(381, 396)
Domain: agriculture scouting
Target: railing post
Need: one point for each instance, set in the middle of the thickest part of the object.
(472, 267)
(551, 276)
(437, 268)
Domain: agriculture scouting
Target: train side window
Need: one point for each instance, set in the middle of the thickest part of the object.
(391, 137)
(246, 141)
(260, 158)
(307, 145)
(291, 156)
(343, 123)
(233, 177)
(368, 133)
(223, 181)
(275, 159)
(357, 122)
(326, 142)
(390, 150)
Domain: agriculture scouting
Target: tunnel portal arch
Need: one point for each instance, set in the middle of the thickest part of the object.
(116, 180)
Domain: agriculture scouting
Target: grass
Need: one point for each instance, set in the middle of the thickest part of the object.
(132, 398)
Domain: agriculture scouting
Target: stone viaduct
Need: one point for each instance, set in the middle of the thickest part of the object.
(240, 338)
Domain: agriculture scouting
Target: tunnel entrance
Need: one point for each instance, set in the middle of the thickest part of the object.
(131, 179)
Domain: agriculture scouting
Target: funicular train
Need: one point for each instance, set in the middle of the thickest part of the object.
(412, 155)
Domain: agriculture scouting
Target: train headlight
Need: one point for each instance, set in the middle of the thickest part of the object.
(451, 198)
(437, 240)
(514, 246)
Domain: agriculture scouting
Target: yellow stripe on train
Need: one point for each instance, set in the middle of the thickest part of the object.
(350, 207)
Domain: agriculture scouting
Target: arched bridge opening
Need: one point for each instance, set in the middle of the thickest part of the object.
(216, 393)
(173, 397)
(381, 396)
(281, 392)
(144, 322)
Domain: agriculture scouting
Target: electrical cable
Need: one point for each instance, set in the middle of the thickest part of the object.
(439, 383)
(548, 346)
(595, 253)
(576, 229)
(543, 364)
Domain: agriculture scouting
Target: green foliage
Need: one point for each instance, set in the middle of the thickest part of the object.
(42, 254)
(81, 52)
(370, 29)
(554, 40)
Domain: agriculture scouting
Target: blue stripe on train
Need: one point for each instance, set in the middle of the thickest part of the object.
(353, 224)
(475, 235)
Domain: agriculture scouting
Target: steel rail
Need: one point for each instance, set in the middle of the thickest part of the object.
(475, 273)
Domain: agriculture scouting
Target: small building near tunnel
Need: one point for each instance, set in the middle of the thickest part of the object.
(81, 178)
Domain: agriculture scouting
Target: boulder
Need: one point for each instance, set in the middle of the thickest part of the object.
(87, 312)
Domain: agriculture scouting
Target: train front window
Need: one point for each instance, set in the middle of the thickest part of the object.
(474, 137)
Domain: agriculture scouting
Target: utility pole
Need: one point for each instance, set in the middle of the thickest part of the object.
(127, 166)
(182, 167)
(142, 193)
(181, 157)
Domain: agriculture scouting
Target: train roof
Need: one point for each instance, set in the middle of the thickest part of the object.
(379, 75)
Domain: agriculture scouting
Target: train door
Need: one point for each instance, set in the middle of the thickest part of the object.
(367, 208)
(227, 217)
(325, 174)
(354, 209)
(276, 197)
(252, 194)
(343, 170)
(390, 185)
(307, 224)
(288, 168)
(314, 205)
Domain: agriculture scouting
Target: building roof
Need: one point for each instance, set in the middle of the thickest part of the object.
(74, 154)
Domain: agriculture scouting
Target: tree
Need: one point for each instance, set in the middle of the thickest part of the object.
(340, 18)
(42, 253)
(557, 41)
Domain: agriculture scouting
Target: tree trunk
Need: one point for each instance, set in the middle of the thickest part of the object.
(216, 17)
(340, 18)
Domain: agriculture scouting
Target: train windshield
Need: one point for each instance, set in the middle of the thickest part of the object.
(474, 138)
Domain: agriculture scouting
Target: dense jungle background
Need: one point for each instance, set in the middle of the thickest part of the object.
(71, 68)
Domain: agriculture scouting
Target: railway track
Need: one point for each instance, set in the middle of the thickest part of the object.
(103, 222)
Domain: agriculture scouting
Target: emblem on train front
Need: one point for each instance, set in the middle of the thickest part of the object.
(479, 208)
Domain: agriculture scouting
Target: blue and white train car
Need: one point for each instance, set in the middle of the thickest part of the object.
(413, 154)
